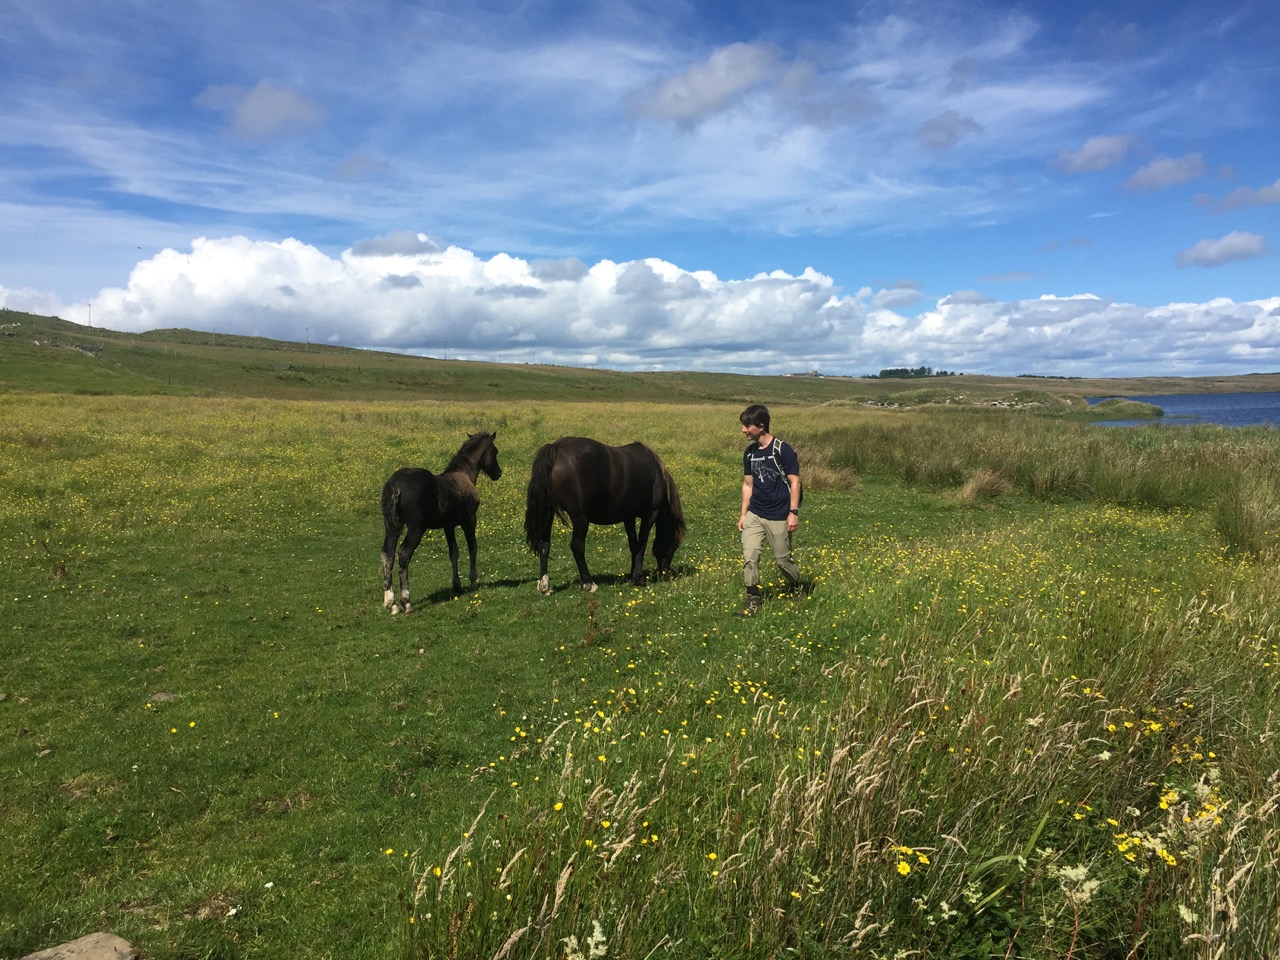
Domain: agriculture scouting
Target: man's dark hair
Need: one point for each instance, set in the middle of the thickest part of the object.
(756, 415)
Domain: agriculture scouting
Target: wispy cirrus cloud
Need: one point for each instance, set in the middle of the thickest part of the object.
(922, 140)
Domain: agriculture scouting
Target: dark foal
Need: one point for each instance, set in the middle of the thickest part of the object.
(417, 500)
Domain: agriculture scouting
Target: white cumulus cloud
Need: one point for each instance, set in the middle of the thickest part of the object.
(263, 112)
(946, 130)
(25, 300)
(1249, 197)
(1236, 245)
(714, 84)
(1167, 172)
(411, 293)
(1096, 154)
(1080, 335)
(406, 292)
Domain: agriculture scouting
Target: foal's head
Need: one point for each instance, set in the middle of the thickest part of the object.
(489, 457)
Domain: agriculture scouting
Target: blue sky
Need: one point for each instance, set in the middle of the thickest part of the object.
(1039, 188)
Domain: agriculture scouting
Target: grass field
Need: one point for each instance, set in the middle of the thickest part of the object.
(1027, 711)
(1029, 714)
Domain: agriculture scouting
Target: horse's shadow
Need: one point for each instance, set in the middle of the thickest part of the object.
(618, 579)
(445, 593)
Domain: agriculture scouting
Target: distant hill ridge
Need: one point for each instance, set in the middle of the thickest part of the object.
(47, 354)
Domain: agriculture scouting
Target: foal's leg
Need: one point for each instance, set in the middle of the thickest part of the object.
(469, 531)
(389, 564)
(578, 544)
(407, 546)
(451, 538)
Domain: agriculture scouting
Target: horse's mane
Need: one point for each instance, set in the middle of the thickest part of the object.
(673, 496)
(466, 453)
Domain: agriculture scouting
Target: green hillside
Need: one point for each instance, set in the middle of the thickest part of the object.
(46, 354)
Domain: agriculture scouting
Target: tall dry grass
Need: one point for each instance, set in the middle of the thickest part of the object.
(957, 788)
(1234, 472)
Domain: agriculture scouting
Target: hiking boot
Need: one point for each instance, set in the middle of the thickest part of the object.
(752, 606)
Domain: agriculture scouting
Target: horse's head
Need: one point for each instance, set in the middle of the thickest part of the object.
(669, 531)
(489, 459)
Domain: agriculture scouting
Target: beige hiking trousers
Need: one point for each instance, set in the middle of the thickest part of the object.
(755, 532)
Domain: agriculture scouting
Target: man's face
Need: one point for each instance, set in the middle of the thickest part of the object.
(752, 432)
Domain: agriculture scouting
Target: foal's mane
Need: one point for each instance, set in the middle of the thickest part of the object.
(469, 452)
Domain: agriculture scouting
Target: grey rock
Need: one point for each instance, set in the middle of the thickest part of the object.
(96, 946)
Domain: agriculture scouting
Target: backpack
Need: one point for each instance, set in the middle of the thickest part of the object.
(777, 462)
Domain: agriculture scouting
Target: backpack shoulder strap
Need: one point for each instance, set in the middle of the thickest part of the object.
(777, 462)
(775, 455)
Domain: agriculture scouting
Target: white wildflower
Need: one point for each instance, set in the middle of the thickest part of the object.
(1076, 885)
(596, 944)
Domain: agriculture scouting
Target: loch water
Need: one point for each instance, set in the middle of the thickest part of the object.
(1225, 409)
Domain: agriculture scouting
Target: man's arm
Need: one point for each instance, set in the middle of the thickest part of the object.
(793, 518)
(746, 498)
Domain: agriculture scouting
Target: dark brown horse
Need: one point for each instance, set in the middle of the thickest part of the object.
(418, 500)
(583, 482)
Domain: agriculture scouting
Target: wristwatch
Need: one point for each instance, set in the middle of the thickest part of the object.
(796, 512)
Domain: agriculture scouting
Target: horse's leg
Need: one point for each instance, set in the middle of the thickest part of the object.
(636, 545)
(637, 565)
(407, 546)
(542, 547)
(469, 531)
(451, 538)
(389, 563)
(578, 544)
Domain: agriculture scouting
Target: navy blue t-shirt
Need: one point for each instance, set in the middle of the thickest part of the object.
(770, 493)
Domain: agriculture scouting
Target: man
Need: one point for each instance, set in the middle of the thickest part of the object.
(770, 503)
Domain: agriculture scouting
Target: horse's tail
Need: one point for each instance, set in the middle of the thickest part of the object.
(391, 505)
(541, 505)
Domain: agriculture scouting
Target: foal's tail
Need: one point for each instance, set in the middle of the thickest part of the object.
(541, 506)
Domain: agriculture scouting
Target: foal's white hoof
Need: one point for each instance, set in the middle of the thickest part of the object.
(544, 585)
(589, 587)
(389, 599)
(395, 609)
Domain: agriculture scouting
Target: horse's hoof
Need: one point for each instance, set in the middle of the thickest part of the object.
(589, 587)
(395, 609)
(389, 599)
(544, 586)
